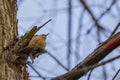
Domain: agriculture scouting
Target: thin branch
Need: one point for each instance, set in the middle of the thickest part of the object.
(74, 74)
(78, 37)
(57, 61)
(92, 15)
(104, 73)
(112, 4)
(69, 33)
(43, 25)
(105, 12)
(89, 75)
(39, 75)
(115, 30)
(116, 74)
(22, 43)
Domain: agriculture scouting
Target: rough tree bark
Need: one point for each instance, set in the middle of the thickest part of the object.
(8, 34)
(14, 51)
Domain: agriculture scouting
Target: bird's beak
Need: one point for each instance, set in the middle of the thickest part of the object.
(47, 34)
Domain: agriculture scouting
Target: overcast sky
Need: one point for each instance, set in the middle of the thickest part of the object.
(36, 12)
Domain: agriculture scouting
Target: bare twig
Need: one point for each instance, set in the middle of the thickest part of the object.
(75, 74)
(27, 37)
(105, 12)
(43, 25)
(89, 75)
(114, 1)
(69, 45)
(93, 17)
(115, 30)
(116, 74)
(39, 75)
(78, 38)
(57, 61)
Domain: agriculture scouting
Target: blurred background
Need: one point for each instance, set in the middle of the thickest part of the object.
(75, 31)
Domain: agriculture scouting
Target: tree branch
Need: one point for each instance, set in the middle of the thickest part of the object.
(92, 59)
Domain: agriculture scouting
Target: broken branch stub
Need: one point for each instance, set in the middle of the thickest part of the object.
(21, 46)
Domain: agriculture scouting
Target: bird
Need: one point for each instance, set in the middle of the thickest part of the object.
(38, 41)
(37, 45)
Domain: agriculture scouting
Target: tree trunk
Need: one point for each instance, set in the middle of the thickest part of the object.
(8, 34)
